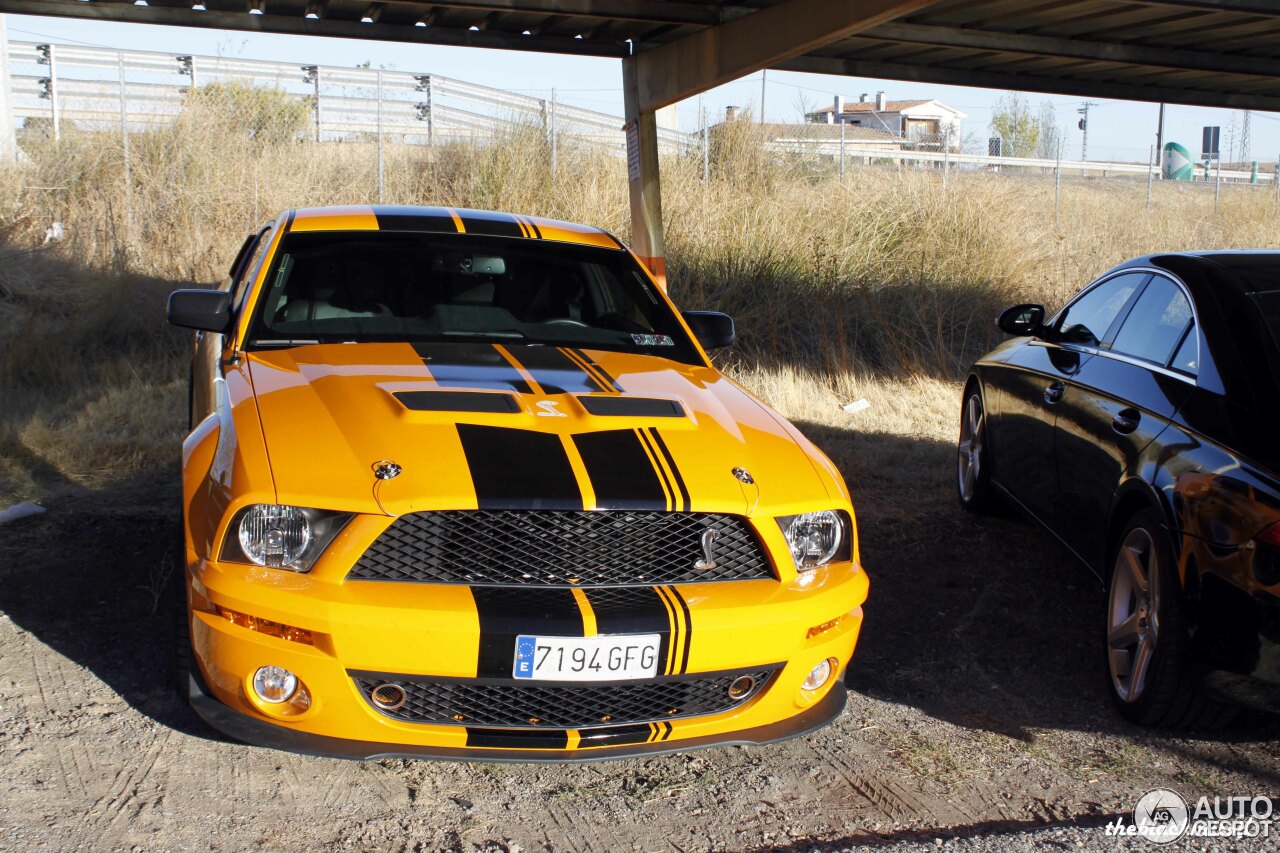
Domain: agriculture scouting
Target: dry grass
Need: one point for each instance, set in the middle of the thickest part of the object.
(880, 288)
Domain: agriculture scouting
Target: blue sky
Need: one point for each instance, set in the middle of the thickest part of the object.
(1117, 130)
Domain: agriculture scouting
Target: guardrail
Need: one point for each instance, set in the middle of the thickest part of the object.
(94, 88)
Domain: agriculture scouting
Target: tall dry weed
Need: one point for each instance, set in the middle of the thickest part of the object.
(891, 272)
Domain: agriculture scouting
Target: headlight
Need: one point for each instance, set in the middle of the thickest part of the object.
(282, 537)
(816, 538)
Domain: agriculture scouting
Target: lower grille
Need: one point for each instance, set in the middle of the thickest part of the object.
(529, 706)
(564, 548)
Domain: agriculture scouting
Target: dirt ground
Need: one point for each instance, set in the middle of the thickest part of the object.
(977, 715)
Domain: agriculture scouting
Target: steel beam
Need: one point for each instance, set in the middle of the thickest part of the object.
(710, 57)
(1075, 48)
(298, 25)
(1031, 83)
(652, 11)
(644, 184)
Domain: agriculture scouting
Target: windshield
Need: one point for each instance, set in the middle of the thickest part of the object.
(367, 286)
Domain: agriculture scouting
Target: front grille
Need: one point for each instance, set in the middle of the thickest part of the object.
(546, 548)
(530, 706)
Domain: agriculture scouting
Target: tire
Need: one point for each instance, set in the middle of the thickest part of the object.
(1152, 676)
(973, 457)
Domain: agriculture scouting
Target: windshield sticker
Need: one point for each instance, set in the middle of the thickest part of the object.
(653, 340)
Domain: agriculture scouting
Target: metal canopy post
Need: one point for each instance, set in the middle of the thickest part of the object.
(643, 180)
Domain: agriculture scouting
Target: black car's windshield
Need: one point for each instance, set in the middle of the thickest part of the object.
(402, 286)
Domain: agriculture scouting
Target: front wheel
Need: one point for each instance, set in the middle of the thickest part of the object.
(973, 464)
(1153, 678)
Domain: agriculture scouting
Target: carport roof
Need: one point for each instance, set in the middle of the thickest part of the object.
(1212, 52)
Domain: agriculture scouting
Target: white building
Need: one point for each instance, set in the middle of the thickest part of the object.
(923, 122)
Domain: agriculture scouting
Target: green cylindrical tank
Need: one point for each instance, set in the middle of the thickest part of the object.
(1176, 163)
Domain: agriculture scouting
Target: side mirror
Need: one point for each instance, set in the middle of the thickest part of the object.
(206, 310)
(713, 329)
(1021, 320)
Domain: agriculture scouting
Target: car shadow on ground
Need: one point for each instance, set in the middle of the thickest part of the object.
(98, 579)
(985, 623)
(982, 622)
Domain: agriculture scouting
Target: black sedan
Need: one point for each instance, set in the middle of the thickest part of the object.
(1141, 426)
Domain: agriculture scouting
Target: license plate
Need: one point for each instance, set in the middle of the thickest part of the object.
(609, 658)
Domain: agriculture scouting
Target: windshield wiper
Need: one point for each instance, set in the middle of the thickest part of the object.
(283, 342)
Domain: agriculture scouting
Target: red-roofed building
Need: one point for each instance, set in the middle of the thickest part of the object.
(919, 121)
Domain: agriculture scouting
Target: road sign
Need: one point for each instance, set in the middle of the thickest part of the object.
(1176, 163)
(1209, 143)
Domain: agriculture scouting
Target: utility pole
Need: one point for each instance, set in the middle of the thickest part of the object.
(1244, 137)
(1084, 129)
(1160, 141)
(764, 77)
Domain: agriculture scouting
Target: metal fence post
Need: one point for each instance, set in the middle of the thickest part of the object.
(381, 186)
(311, 74)
(554, 136)
(1057, 188)
(842, 128)
(45, 56)
(431, 109)
(1151, 163)
(124, 148)
(1217, 185)
(706, 145)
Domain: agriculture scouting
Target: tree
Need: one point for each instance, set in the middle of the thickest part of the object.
(1050, 140)
(264, 114)
(1012, 121)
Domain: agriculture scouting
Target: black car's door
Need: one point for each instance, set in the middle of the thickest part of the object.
(1025, 392)
(1121, 399)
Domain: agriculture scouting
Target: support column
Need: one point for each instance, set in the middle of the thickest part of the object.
(643, 179)
(8, 141)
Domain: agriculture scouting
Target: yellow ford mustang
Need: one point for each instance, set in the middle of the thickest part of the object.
(463, 484)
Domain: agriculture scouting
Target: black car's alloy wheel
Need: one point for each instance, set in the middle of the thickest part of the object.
(1152, 676)
(972, 456)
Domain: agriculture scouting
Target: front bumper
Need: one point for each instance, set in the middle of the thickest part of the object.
(429, 630)
(254, 730)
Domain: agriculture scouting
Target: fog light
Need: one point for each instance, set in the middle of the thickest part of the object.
(274, 684)
(741, 687)
(819, 675)
(388, 697)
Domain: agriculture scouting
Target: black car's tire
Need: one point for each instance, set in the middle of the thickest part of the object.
(973, 455)
(1152, 676)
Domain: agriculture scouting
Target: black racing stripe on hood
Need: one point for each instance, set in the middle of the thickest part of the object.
(596, 369)
(518, 738)
(507, 612)
(471, 366)
(490, 224)
(399, 218)
(554, 371)
(675, 471)
(621, 474)
(633, 610)
(519, 469)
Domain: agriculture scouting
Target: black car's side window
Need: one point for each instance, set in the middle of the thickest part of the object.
(1087, 320)
(1187, 358)
(1156, 324)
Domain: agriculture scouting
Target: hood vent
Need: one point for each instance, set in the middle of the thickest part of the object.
(458, 401)
(632, 407)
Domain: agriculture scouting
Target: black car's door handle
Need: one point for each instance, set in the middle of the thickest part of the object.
(1054, 392)
(1126, 421)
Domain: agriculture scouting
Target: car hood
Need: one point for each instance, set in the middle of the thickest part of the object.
(478, 426)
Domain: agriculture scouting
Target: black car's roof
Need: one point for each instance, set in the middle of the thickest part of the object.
(1252, 270)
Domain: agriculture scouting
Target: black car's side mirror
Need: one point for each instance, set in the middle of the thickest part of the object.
(713, 329)
(1022, 320)
(206, 310)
